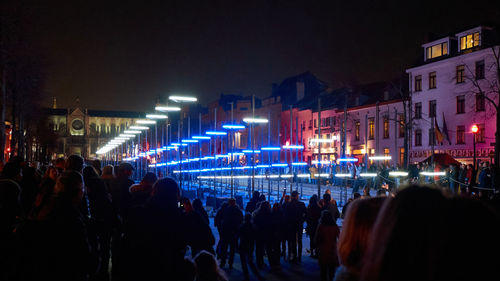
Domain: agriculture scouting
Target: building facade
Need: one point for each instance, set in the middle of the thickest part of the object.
(82, 131)
(451, 90)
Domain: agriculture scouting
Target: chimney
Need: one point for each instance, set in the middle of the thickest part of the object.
(54, 103)
(386, 95)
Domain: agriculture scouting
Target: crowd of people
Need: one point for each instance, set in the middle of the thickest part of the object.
(71, 221)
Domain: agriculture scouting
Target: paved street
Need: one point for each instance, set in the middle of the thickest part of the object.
(308, 269)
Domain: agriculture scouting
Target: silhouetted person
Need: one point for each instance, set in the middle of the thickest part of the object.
(263, 230)
(207, 269)
(141, 192)
(199, 234)
(198, 207)
(104, 218)
(54, 246)
(29, 188)
(295, 214)
(276, 236)
(121, 202)
(252, 203)
(156, 236)
(231, 220)
(326, 239)
(45, 191)
(355, 236)
(246, 236)
(218, 224)
(419, 236)
(10, 211)
(97, 166)
(312, 220)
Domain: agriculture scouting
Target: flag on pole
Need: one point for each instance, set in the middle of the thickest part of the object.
(445, 130)
(437, 132)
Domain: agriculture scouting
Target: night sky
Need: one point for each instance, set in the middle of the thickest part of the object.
(124, 55)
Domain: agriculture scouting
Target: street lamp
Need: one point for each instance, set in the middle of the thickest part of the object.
(154, 117)
(253, 121)
(232, 127)
(179, 99)
(475, 130)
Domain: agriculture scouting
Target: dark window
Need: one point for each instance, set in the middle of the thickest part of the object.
(432, 108)
(418, 137)
(386, 127)
(460, 104)
(480, 69)
(432, 137)
(371, 128)
(460, 74)
(480, 102)
(310, 124)
(460, 134)
(357, 125)
(418, 83)
(432, 80)
(418, 110)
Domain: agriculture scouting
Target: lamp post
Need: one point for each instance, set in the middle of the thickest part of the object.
(474, 130)
(253, 121)
(181, 99)
(156, 117)
(166, 109)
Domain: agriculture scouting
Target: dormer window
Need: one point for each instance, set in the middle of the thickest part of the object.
(437, 50)
(470, 41)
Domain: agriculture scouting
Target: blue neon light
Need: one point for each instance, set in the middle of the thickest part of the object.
(262, 166)
(271, 148)
(190, 141)
(251, 151)
(233, 127)
(175, 144)
(221, 156)
(216, 133)
(201, 137)
(279, 165)
(348, 159)
(293, 147)
(299, 164)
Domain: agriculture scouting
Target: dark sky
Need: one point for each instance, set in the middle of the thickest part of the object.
(124, 55)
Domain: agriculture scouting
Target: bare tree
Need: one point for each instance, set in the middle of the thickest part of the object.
(489, 88)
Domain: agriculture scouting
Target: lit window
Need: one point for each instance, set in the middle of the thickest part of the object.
(386, 127)
(401, 126)
(469, 41)
(437, 50)
(357, 125)
(371, 128)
